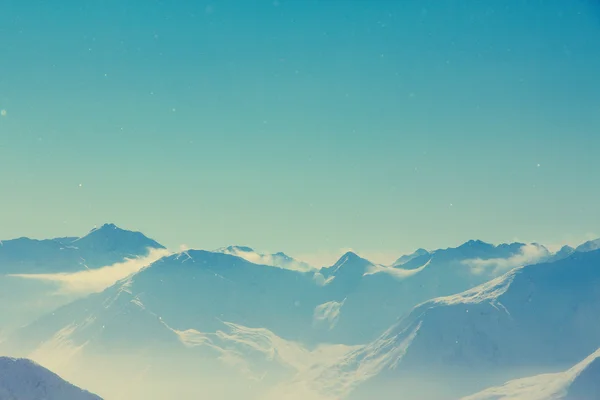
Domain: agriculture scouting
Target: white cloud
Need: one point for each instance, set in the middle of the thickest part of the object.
(275, 260)
(96, 280)
(529, 254)
(320, 279)
(328, 312)
(398, 273)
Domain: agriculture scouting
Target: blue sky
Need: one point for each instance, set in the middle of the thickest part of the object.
(302, 126)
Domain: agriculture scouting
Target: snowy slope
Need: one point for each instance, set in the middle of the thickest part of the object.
(345, 275)
(537, 317)
(21, 379)
(581, 382)
(211, 313)
(120, 336)
(378, 295)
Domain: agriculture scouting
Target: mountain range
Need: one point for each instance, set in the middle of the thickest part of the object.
(537, 318)
(580, 382)
(258, 322)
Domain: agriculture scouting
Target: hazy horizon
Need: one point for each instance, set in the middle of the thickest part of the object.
(320, 259)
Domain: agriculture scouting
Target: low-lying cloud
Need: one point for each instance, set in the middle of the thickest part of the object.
(528, 254)
(328, 312)
(396, 272)
(96, 280)
(275, 260)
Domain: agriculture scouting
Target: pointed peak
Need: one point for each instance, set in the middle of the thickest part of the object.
(350, 255)
(111, 233)
(349, 264)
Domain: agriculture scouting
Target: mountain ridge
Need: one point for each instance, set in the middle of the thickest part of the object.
(22, 379)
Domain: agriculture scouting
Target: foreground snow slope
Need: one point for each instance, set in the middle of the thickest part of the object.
(581, 382)
(22, 379)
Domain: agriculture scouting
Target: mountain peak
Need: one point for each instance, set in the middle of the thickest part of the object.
(590, 245)
(476, 245)
(476, 242)
(409, 257)
(564, 252)
(109, 226)
(281, 254)
(24, 378)
(110, 237)
(243, 249)
(349, 256)
(350, 260)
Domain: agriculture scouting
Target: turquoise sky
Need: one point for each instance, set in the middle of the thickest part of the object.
(302, 126)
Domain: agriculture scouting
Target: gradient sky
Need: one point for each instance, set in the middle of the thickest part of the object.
(302, 126)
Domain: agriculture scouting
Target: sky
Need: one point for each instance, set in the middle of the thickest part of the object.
(302, 126)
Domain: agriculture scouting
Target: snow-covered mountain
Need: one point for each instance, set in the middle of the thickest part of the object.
(345, 275)
(230, 316)
(590, 245)
(564, 252)
(351, 302)
(197, 290)
(22, 300)
(100, 247)
(213, 314)
(280, 259)
(535, 318)
(376, 295)
(22, 379)
(409, 257)
(581, 382)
